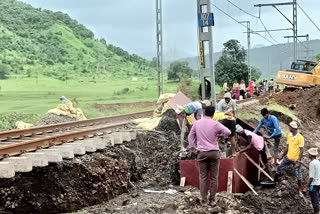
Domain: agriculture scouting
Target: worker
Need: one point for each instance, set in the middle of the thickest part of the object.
(236, 90)
(230, 122)
(274, 130)
(195, 108)
(314, 179)
(64, 100)
(242, 88)
(257, 142)
(227, 103)
(225, 88)
(202, 141)
(292, 154)
(271, 84)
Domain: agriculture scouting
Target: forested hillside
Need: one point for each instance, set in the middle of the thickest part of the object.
(41, 42)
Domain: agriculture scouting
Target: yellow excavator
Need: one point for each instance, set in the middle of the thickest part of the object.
(303, 74)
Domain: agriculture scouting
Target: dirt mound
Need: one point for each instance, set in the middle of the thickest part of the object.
(168, 123)
(54, 119)
(66, 186)
(305, 101)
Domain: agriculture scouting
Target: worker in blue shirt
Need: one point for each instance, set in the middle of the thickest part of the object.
(274, 130)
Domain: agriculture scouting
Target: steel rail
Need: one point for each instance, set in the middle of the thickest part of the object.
(32, 145)
(14, 134)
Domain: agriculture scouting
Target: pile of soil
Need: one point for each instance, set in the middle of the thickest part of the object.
(54, 119)
(169, 123)
(64, 187)
(306, 102)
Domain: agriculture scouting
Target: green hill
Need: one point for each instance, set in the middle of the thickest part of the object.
(41, 42)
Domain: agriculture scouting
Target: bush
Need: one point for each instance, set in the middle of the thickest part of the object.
(186, 87)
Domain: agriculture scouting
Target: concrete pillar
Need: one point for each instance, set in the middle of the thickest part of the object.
(7, 169)
(21, 164)
(109, 140)
(89, 145)
(53, 155)
(66, 151)
(78, 148)
(117, 136)
(38, 159)
(133, 134)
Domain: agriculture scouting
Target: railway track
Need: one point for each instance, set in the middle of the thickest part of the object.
(15, 142)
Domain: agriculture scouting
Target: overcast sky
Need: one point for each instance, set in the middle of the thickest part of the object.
(130, 24)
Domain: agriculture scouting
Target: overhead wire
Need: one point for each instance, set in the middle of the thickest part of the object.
(242, 9)
(240, 23)
(309, 17)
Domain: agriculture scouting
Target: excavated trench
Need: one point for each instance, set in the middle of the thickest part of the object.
(93, 178)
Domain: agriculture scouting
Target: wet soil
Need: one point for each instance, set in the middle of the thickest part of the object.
(49, 119)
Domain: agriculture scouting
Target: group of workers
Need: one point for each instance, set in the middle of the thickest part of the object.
(240, 91)
(214, 125)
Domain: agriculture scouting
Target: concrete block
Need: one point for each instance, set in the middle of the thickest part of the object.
(21, 164)
(78, 148)
(38, 159)
(66, 151)
(89, 145)
(117, 136)
(53, 155)
(7, 170)
(109, 140)
(100, 143)
(126, 136)
(133, 134)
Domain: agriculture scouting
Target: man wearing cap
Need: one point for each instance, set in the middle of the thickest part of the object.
(195, 108)
(202, 140)
(227, 103)
(272, 124)
(293, 153)
(257, 142)
(314, 179)
(230, 122)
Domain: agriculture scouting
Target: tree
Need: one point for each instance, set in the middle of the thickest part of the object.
(231, 65)
(233, 49)
(4, 71)
(318, 57)
(178, 69)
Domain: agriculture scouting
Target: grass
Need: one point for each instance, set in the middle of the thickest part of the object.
(248, 116)
(33, 97)
(276, 107)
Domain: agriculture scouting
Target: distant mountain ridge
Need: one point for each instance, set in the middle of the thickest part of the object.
(270, 59)
(36, 41)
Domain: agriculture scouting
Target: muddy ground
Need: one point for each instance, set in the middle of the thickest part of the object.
(114, 180)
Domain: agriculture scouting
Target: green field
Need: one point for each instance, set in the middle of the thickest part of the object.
(31, 98)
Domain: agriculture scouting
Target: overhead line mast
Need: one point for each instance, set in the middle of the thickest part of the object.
(159, 46)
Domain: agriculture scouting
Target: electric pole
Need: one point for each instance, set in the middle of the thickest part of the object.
(294, 21)
(205, 23)
(249, 48)
(159, 46)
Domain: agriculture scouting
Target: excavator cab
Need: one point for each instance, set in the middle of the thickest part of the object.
(302, 73)
(303, 66)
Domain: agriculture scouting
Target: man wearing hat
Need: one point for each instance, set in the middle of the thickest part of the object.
(257, 142)
(314, 178)
(292, 154)
(195, 108)
(227, 103)
(230, 122)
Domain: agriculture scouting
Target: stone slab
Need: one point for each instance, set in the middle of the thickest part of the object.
(109, 140)
(89, 145)
(126, 136)
(117, 136)
(133, 134)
